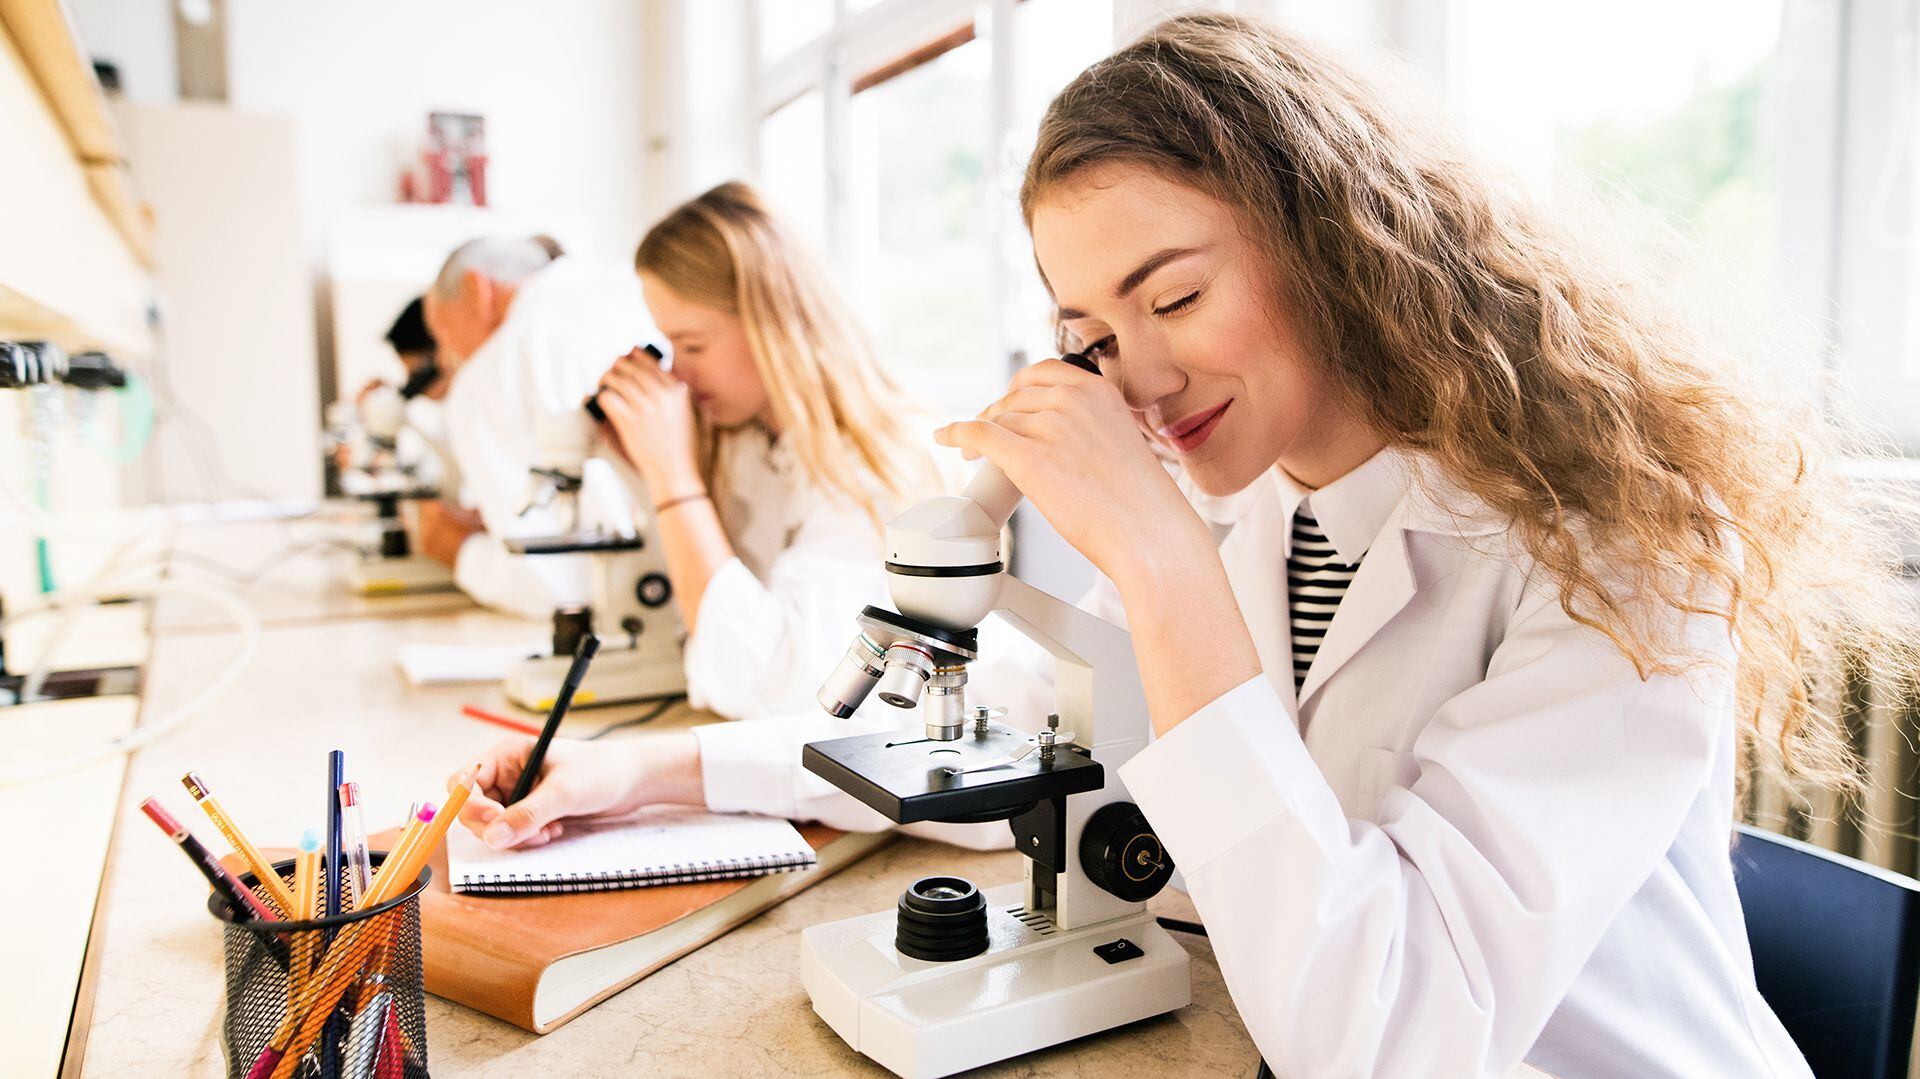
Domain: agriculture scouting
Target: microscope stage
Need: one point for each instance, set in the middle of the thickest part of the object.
(575, 543)
(906, 779)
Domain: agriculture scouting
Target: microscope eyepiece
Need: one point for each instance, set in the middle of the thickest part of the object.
(592, 404)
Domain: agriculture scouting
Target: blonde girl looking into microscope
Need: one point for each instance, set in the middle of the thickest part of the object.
(1520, 570)
(773, 448)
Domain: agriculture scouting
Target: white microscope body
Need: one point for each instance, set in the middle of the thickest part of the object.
(376, 471)
(631, 609)
(1072, 950)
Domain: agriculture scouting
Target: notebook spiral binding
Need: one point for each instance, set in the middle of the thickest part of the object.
(678, 873)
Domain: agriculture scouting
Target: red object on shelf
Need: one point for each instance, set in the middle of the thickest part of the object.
(477, 178)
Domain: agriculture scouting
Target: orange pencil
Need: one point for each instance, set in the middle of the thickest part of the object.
(436, 833)
(263, 870)
(402, 847)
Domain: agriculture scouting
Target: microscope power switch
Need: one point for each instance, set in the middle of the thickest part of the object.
(1121, 853)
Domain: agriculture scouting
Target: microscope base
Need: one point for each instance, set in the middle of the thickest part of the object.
(374, 576)
(617, 676)
(1027, 991)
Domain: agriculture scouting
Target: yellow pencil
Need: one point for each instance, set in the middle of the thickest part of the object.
(263, 871)
(306, 876)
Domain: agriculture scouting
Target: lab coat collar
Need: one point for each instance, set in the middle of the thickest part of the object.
(1371, 510)
(1352, 510)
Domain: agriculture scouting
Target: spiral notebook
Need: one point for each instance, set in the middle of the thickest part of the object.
(661, 845)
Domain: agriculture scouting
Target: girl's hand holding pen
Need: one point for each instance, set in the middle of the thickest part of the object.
(1072, 445)
(580, 780)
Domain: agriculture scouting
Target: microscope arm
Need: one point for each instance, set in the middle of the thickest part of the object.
(1103, 712)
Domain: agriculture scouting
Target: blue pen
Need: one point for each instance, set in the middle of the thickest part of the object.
(336, 775)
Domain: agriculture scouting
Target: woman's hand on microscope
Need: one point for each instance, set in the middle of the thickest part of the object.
(651, 414)
(1069, 442)
(580, 781)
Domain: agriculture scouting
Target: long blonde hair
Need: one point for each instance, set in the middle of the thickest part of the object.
(851, 427)
(1635, 463)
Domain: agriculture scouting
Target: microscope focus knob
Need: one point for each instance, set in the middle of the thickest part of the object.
(653, 590)
(1121, 853)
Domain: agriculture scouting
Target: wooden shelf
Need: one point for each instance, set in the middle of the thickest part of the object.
(76, 245)
(44, 33)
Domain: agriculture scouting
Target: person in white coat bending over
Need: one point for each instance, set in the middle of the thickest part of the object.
(1519, 573)
(527, 335)
(774, 448)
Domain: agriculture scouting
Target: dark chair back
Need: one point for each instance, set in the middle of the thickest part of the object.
(1836, 952)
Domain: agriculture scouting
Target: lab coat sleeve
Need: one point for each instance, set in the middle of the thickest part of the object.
(753, 766)
(1439, 938)
(530, 587)
(762, 647)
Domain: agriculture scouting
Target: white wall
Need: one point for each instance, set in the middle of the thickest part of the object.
(234, 366)
(560, 83)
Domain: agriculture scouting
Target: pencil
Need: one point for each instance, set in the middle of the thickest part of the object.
(306, 873)
(416, 859)
(530, 772)
(245, 904)
(330, 888)
(402, 847)
(339, 972)
(263, 870)
(484, 716)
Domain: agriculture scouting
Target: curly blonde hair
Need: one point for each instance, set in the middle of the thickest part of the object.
(1634, 459)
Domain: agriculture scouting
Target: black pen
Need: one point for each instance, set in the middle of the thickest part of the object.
(530, 774)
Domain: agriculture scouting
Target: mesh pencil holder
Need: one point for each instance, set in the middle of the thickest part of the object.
(362, 992)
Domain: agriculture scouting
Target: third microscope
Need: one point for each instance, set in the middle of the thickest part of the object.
(631, 608)
(366, 441)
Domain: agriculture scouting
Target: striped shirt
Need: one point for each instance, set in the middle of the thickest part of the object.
(1316, 580)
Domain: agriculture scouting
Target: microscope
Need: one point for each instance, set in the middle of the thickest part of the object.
(631, 608)
(954, 977)
(375, 471)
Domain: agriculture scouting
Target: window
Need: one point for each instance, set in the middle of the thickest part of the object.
(1777, 134)
(793, 156)
(1668, 105)
(785, 25)
(890, 129)
(919, 202)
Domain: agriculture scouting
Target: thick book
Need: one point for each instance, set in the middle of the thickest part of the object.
(660, 845)
(537, 961)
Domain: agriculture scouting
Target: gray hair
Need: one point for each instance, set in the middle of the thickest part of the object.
(502, 260)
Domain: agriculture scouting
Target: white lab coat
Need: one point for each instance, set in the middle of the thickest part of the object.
(805, 562)
(565, 327)
(1475, 836)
